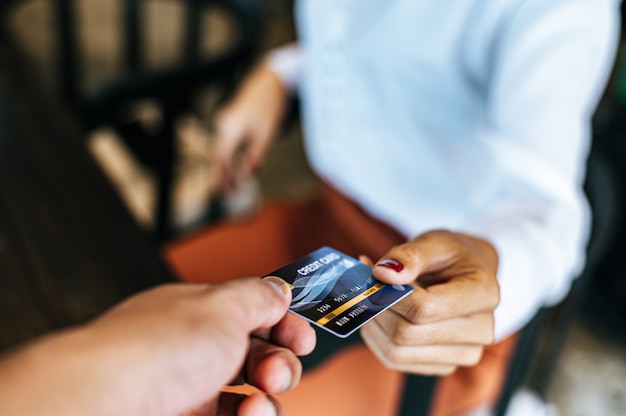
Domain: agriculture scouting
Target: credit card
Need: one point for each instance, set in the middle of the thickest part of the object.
(337, 292)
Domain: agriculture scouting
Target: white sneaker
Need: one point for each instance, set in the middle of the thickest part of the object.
(526, 402)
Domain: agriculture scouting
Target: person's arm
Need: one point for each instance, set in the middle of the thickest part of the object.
(166, 351)
(551, 65)
(549, 68)
(249, 122)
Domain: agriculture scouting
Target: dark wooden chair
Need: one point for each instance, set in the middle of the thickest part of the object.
(171, 90)
(69, 249)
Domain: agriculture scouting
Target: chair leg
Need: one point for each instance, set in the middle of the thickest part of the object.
(417, 395)
(165, 156)
(68, 50)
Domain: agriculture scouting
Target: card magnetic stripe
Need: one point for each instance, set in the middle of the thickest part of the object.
(334, 313)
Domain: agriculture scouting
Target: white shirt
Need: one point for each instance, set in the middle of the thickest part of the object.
(469, 115)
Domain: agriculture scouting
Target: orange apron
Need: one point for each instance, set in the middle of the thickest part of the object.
(352, 382)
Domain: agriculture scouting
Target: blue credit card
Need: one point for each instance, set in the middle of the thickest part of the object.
(337, 292)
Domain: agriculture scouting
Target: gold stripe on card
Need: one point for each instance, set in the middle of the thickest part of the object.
(333, 314)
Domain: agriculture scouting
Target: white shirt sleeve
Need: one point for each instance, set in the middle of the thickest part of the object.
(550, 68)
(286, 62)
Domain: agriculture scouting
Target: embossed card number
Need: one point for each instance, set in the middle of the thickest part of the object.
(337, 292)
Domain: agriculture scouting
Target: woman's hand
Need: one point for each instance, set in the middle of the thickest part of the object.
(247, 125)
(449, 318)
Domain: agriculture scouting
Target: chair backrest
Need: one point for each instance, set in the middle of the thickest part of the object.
(170, 90)
(245, 15)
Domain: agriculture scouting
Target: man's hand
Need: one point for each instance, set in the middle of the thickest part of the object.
(247, 125)
(448, 320)
(166, 351)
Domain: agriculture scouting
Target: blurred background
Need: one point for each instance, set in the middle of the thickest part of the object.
(143, 79)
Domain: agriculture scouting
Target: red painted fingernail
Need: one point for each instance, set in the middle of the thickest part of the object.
(392, 264)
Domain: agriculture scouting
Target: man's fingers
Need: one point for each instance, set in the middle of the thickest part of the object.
(242, 405)
(294, 333)
(259, 405)
(260, 303)
(271, 368)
